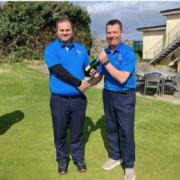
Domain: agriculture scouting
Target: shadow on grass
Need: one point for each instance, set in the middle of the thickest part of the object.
(90, 126)
(7, 120)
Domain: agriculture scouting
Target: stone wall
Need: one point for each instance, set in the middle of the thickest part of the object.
(98, 44)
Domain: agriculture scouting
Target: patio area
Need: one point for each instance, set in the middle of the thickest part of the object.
(157, 81)
(173, 99)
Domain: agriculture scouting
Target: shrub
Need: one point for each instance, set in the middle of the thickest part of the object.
(27, 27)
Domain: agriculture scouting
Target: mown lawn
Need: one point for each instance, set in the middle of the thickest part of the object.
(26, 140)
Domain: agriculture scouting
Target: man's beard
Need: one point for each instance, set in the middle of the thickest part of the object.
(68, 42)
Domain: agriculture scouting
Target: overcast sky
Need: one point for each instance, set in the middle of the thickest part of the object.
(133, 14)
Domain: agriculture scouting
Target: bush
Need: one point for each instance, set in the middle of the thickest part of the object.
(27, 27)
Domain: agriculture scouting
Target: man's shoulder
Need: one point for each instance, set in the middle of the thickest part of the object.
(79, 45)
(127, 48)
(52, 44)
(128, 51)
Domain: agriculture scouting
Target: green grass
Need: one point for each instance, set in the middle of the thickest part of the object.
(26, 138)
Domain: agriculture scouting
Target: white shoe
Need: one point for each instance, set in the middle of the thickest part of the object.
(111, 163)
(129, 174)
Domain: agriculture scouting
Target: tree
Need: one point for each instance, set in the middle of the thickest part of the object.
(27, 27)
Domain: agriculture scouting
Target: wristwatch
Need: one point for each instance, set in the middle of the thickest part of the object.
(107, 62)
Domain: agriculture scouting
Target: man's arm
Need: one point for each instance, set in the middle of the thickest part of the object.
(91, 82)
(120, 76)
(63, 74)
(95, 80)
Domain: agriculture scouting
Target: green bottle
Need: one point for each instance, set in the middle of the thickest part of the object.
(92, 65)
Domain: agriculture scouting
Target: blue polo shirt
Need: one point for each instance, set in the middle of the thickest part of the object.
(74, 59)
(124, 59)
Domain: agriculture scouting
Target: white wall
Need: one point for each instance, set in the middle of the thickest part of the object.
(151, 43)
(172, 28)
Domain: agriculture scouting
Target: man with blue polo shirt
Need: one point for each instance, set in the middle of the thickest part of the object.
(119, 97)
(66, 61)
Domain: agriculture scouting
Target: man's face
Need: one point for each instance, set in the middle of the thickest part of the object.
(64, 31)
(113, 35)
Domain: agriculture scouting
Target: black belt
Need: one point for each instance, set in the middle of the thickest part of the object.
(118, 92)
(68, 97)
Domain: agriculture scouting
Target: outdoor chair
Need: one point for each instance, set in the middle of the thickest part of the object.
(141, 70)
(153, 81)
(170, 84)
(139, 83)
(177, 81)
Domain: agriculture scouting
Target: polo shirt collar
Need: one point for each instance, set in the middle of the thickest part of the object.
(117, 49)
(62, 45)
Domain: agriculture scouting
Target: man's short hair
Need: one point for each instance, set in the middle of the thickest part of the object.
(63, 19)
(113, 22)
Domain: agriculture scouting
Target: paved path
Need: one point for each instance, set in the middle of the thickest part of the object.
(167, 98)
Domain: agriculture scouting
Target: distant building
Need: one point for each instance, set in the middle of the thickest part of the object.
(161, 44)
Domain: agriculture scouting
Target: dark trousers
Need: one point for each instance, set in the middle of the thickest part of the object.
(68, 112)
(119, 111)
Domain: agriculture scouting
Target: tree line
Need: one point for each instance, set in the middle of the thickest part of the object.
(27, 27)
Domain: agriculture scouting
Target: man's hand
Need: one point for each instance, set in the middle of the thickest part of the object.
(102, 57)
(84, 86)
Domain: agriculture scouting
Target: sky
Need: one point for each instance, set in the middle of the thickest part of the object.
(133, 15)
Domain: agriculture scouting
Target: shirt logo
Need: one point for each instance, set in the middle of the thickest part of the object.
(119, 57)
(78, 52)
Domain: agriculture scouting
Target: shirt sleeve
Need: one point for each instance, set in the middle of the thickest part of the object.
(86, 60)
(130, 62)
(63, 74)
(51, 57)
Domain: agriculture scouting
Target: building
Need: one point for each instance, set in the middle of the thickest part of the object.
(161, 44)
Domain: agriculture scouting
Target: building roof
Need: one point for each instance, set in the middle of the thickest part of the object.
(170, 11)
(152, 28)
